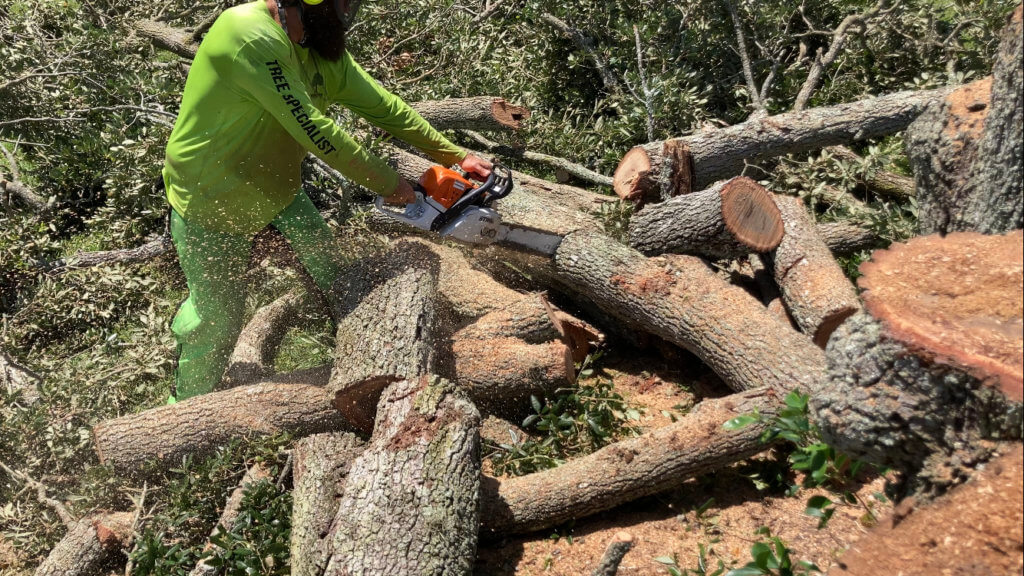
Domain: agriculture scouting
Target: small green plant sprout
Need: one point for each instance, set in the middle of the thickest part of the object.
(771, 557)
(704, 567)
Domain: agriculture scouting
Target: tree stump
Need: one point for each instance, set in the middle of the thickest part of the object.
(410, 503)
(732, 218)
(929, 377)
(817, 293)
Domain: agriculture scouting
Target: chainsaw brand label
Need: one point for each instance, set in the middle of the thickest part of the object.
(297, 109)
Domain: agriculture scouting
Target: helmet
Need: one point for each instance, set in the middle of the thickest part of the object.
(340, 6)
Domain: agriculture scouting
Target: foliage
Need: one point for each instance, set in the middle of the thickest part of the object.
(704, 567)
(771, 557)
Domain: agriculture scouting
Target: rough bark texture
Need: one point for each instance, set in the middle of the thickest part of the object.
(998, 206)
(476, 113)
(89, 547)
(14, 189)
(844, 239)
(613, 555)
(976, 529)
(817, 293)
(691, 307)
(659, 170)
(144, 253)
(410, 503)
(930, 376)
(172, 39)
(386, 330)
(732, 218)
(200, 424)
(626, 470)
(227, 518)
(16, 378)
(321, 464)
(943, 145)
(253, 357)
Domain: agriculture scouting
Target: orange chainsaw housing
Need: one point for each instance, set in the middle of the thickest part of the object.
(444, 185)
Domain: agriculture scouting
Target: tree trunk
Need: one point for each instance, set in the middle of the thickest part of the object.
(227, 518)
(390, 332)
(89, 547)
(930, 375)
(998, 206)
(943, 145)
(660, 170)
(322, 462)
(691, 307)
(656, 461)
(730, 219)
(410, 503)
(816, 291)
(200, 424)
(253, 357)
(476, 113)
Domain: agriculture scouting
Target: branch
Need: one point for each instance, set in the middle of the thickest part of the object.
(587, 45)
(646, 100)
(40, 489)
(488, 12)
(756, 99)
(581, 172)
(143, 253)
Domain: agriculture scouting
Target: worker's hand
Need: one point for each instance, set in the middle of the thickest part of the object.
(402, 195)
(476, 166)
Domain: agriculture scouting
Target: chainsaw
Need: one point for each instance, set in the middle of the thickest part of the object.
(449, 204)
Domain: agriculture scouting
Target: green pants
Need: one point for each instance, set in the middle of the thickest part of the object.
(208, 323)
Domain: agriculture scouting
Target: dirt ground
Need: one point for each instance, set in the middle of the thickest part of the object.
(672, 525)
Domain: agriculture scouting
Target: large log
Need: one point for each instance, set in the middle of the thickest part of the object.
(474, 113)
(321, 464)
(930, 375)
(162, 436)
(656, 461)
(410, 502)
(817, 293)
(688, 305)
(660, 170)
(228, 515)
(254, 353)
(89, 546)
(731, 218)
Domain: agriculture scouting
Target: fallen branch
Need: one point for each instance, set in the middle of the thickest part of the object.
(143, 253)
(621, 543)
(89, 546)
(571, 168)
(254, 474)
(253, 357)
(168, 38)
(475, 113)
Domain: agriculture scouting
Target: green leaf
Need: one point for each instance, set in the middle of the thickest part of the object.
(740, 422)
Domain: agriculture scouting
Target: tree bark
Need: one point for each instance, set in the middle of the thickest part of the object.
(390, 332)
(254, 474)
(816, 291)
(660, 170)
(253, 357)
(844, 239)
(322, 463)
(943, 145)
(613, 555)
(730, 219)
(691, 307)
(201, 424)
(143, 253)
(17, 378)
(15, 189)
(475, 113)
(171, 39)
(930, 375)
(656, 461)
(998, 206)
(89, 547)
(410, 503)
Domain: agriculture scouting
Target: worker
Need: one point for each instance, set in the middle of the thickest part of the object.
(252, 108)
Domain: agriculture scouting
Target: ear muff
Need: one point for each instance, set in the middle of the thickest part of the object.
(340, 6)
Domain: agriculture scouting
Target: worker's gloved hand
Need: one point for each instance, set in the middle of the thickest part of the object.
(402, 195)
(476, 166)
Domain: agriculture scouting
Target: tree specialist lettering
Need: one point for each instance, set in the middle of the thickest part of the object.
(297, 109)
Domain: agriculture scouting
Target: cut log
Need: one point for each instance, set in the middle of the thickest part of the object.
(253, 357)
(390, 332)
(613, 555)
(657, 171)
(943, 145)
(254, 474)
(977, 528)
(817, 293)
(730, 219)
(930, 376)
(411, 500)
(656, 461)
(475, 113)
(844, 239)
(688, 305)
(91, 545)
(198, 425)
(322, 462)
(998, 205)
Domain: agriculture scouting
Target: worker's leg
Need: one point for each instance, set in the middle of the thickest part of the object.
(209, 321)
(312, 240)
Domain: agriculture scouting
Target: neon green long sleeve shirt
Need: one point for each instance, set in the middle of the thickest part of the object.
(252, 109)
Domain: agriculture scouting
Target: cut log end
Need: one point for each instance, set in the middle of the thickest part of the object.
(750, 214)
(509, 114)
(957, 300)
(631, 174)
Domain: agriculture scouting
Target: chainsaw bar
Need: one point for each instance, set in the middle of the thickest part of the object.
(529, 239)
